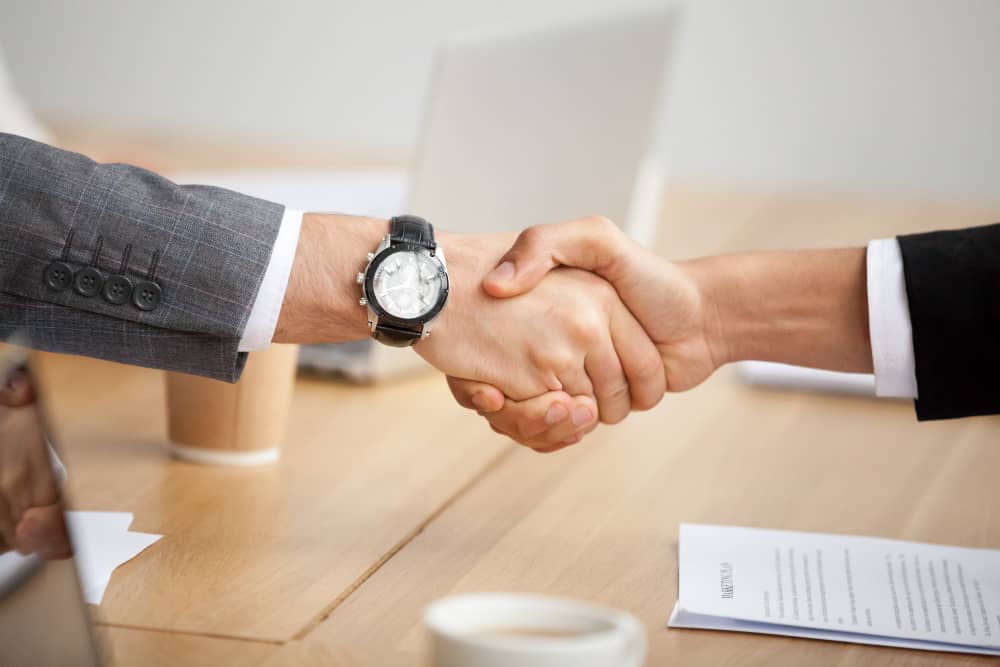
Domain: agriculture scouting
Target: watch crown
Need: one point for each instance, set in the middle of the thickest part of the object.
(371, 256)
(361, 278)
(363, 301)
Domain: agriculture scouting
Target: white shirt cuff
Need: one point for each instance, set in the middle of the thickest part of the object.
(264, 314)
(889, 322)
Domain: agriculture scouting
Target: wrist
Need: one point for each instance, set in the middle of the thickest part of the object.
(807, 307)
(321, 300)
(713, 284)
(460, 257)
(469, 258)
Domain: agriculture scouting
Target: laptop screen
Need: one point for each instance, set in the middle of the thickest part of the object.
(43, 619)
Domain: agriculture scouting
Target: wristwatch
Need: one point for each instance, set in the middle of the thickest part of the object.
(405, 284)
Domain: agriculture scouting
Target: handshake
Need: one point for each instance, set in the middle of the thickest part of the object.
(573, 324)
(589, 326)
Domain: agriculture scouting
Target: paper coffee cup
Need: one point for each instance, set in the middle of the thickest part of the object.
(503, 629)
(238, 424)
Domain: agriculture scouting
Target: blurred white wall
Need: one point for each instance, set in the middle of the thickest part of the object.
(889, 96)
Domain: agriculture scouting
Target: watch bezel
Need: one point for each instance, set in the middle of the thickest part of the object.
(385, 317)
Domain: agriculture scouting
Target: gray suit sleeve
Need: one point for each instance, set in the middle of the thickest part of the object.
(205, 248)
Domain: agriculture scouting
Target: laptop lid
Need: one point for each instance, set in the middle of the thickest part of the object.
(544, 124)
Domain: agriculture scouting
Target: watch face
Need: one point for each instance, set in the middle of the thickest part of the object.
(407, 284)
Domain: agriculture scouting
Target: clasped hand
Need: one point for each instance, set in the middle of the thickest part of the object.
(576, 324)
(31, 511)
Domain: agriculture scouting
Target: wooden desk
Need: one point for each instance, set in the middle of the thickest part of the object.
(329, 556)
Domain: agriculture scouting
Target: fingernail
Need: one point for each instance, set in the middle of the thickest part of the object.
(479, 400)
(582, 416)
(556, 414)
(503, 273)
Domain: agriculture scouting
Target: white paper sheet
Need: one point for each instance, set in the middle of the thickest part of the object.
(799, 378)
(102, 542)
(838, 587)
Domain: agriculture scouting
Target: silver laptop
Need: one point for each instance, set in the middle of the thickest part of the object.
(546, 123)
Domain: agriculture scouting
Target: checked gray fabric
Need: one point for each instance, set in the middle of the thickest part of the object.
(206, 248)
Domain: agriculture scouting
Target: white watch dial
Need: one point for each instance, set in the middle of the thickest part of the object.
(407, 284)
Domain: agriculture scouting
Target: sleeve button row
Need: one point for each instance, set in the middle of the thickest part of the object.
(116, 289)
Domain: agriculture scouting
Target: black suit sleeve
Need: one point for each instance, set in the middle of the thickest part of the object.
(953, 290)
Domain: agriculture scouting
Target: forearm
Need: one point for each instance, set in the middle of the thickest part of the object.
(808, 307)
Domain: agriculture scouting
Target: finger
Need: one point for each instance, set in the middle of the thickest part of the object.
(610, 386)
(594, 244)
(17, 391)
(640, 359)
(569, 431)
(16, 492)
(572, 439)
(579, 421)
(575, 380)
(7, 523)
(484, 398)
(524, 421)
(42, 531)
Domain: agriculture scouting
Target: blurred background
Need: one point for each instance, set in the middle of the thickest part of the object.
(898, 97)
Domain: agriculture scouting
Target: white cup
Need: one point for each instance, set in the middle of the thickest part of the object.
(502, 630)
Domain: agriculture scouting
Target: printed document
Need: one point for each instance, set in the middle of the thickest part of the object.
(839, 587)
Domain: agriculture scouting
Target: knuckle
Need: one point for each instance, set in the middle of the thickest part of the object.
(588, 330)
(601, 294)
(650, 368)
(531, 237)
(644, 402)
(460, 391)
(618, 400)
(615, 418)
(650, 374)
(600, 223)
(560, 361)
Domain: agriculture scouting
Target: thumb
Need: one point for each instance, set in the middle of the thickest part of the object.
(483, 398)
(593, 244)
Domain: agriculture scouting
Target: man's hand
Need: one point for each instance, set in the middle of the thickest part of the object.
(571, 333)
(664, 297)
(31, 512)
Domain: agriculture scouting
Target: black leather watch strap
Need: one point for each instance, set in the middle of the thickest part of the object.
(417, 231)
(412, 229)
(395, 336)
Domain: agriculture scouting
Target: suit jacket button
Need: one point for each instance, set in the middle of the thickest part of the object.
(58, 275)
(146, 295)
(88, 281)
(117, 289)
